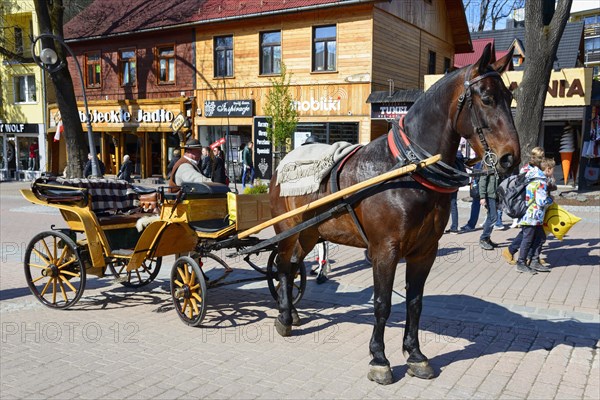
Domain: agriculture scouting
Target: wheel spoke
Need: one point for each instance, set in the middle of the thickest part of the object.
(71, 261)
(197, 296)
(64, 293)
(47, 250)
(196, 286)
(53, 290)
(70, 273)
(137, 272)
(62, 256)
(178, 283)
(42, 256)
(37, 266)
(37, 279)
(192, 278)
(191, 312)
(180, 272)
(194, 305)
(66, 281)
(187, 273)
(46, 287)
(54, 254)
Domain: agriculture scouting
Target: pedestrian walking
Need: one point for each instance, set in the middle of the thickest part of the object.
(488, 184)
(126, 169)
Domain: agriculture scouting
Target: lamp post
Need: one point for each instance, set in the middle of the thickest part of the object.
(48, 61)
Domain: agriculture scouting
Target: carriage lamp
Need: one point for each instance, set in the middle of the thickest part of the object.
(48, 61)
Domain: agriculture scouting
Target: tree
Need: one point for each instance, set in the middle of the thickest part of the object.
(279, 108)
(541, 44)
(50, 18)
(490, 12)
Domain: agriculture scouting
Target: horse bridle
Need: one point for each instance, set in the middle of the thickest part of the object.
(489, 157)
(442, 175)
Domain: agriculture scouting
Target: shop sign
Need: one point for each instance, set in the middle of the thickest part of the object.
(263, 151)
(389, 110)
(568, 87)
(324, 104)
(121, 116)
(19, 128)
(228, 108)
(178, 122)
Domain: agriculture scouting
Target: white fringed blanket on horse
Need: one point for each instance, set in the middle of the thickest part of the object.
(303, 169)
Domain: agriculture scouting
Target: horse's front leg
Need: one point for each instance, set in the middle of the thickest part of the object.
(384, 264)
(417, 270)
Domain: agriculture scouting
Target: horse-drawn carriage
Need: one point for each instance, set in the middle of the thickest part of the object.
(115, 229)
(369, 204)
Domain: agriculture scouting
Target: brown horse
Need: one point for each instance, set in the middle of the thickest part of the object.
(406, 217)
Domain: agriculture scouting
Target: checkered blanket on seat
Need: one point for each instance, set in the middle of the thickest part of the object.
(107, 194)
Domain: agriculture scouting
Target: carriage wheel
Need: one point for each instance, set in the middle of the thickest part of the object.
(54, 271)
(137, 278)
(188, 290)
(298, 286)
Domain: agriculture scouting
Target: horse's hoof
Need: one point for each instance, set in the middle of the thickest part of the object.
(421, 370)
(283, 330)
(381, 374)
(296, 321)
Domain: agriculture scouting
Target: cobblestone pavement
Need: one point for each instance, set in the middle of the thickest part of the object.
(489, 331)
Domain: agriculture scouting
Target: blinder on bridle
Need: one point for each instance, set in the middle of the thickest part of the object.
(490, 159)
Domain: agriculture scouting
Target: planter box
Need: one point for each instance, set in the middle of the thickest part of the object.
(248, 210)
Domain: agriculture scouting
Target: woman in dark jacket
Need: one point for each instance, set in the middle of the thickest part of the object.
(218, 173)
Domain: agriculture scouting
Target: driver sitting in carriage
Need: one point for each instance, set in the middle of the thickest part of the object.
(186, 170)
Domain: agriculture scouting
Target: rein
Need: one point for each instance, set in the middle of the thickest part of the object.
(440, 176)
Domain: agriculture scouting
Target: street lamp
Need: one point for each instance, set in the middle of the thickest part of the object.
(48, 60)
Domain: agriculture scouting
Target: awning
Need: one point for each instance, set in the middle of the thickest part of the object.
(399, 96)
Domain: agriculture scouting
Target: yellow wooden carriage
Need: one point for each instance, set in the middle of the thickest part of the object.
(108, 233)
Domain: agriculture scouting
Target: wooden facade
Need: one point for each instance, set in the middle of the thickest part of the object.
(376, 43)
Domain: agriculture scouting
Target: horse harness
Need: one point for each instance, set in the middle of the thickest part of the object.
(440, 176)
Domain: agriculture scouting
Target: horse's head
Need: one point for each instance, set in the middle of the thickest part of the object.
(483, 115)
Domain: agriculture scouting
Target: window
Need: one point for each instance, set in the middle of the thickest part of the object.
(18, 40)
(324, 48)
(127, 67)
(270, 52)
(223, 56)
(93, 69)
(331, 132)
(25, 89)
(166, 64)
(447, 65)
(431, 64)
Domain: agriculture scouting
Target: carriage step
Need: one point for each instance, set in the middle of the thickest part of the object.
(123, 252)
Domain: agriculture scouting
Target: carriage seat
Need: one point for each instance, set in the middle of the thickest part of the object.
(200, 191)
(107, 195)
(210, 225)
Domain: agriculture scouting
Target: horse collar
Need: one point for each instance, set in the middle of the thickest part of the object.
(439, 177)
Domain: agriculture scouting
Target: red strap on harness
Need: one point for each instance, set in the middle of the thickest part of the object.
(396, 152)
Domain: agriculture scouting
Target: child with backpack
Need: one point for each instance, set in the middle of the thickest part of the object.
(535, 160)
(537, 199)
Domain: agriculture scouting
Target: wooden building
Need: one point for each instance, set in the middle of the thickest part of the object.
(227, 52)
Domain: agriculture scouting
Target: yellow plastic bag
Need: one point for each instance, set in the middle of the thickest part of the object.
(558, 221)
